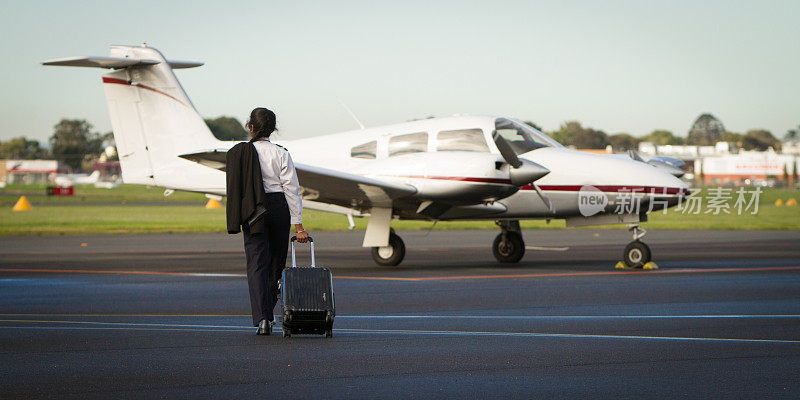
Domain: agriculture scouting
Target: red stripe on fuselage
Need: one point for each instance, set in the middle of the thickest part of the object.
(561, 188)
(458, 178)
(128, 83)
(613, 189)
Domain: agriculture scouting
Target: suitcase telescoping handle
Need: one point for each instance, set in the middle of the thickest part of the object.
(311, 241)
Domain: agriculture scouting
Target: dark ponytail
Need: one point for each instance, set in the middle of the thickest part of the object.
(262, 121)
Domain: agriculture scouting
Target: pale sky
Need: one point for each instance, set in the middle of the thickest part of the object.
(619, 66)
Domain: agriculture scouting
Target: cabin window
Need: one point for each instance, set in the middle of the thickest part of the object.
(409, 143)
(367, 150)
(462, 140)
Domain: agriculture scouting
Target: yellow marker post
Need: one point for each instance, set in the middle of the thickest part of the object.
(778, 203)
(22, 204)
(212, 204)
(791, 202)
(650, 265)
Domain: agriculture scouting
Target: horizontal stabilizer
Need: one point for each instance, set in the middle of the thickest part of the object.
(212, 158)
(181, 64)
(99, 62)
(115, 62)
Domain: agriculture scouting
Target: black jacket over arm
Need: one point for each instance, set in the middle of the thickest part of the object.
(245, 188)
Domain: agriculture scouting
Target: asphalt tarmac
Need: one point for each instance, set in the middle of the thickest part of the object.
(142, 316)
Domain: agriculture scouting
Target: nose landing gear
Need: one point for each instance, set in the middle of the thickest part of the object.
(637, 254)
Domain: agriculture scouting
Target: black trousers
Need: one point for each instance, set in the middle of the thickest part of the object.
(266, 257)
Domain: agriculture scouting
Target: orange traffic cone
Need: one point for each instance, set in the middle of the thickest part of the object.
(791, 202)
(22, 204)
(778, 203)
(212, 204)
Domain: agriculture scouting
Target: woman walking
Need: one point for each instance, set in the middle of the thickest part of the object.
(263, 200)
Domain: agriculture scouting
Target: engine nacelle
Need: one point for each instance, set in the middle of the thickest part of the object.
(459, 178)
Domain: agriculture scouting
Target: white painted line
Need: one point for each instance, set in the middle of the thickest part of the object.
(562, 335)
(702, 316)
(568, 316)
(126, 324)
(128, 315)
(115, 328)
(542, 248)
(121, 272)
(134, 327)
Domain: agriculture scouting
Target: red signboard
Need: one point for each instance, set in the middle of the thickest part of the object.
(60, 191)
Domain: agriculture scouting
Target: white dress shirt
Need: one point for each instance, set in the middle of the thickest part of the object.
(279, 175)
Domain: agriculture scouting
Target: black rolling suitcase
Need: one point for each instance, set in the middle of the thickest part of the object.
(307, 294)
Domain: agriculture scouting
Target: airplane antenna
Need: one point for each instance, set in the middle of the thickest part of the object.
(431, 229)
(349, 111)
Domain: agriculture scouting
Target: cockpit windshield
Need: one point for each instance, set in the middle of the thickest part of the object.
(522, 137)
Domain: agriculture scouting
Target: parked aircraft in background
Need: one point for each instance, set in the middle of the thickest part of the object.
(77, 179)
(467, 167)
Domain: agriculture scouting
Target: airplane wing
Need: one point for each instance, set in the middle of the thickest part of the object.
(329, 186)
(348, 190)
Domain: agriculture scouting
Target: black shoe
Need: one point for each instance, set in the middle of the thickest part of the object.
(264, 328)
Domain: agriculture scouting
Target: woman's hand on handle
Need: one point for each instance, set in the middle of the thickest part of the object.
(302, 235)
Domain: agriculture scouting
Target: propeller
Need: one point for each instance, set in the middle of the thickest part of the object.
(667, 167)
(670, 165)
(506, 151)
(522, 172)
(673, 166)
(634, 155)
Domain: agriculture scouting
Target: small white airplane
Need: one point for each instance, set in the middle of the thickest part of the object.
(470, 167)
(77, 179)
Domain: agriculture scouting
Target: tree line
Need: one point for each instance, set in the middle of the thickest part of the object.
(572, 133)
(72, 142)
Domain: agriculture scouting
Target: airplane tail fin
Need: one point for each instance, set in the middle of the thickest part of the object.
(153, 119)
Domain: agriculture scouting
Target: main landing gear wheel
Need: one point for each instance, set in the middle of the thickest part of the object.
(508, 247)
(636, 255)
(392, 254)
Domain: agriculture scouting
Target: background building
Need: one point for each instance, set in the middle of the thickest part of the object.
(764, 168)
(30, 171)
